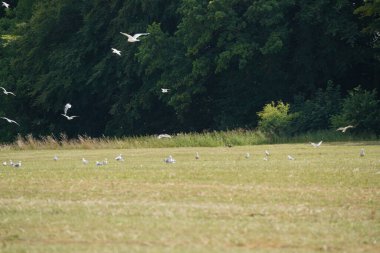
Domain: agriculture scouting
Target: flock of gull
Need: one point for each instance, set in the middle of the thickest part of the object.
(131, 39)
(6, 5)
(169, 159)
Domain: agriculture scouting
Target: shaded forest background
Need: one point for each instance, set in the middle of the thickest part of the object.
(223, 61)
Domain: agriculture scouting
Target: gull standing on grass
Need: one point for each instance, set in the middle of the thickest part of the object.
(115, 51)
(291, 158)
(134, 37)
(247, 155)
(7, 92)
(316, 145)
(6, 5)
(10, 120)
(55, 158)
(119, 158)
(362, 152)
(344, 129)
(197, 156)
(169, 159)
(16, 165)
(84, 161)
(267, 153)
(105, 162)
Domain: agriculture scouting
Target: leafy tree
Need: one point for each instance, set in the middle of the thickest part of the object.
(315, 113)
(371, 12)
(362, 109)
(221, 59)
(275, 119)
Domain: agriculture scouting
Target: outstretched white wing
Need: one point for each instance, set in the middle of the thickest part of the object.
(67, 107)
(115, 51)
(139, 34)
(344, 129)
(7, 92)
(10, 120)
(126, 34)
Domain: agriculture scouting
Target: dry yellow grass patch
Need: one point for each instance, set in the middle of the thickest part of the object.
(327, 200)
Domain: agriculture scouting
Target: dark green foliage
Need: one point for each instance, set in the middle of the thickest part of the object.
(315, 113)
(275, 119)
(223, 60)
(361, 109)
(370, 11)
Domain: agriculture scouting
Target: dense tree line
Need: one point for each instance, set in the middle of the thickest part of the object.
(222, 60)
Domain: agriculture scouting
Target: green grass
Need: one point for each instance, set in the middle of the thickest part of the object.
(327, 200)
(238, 137)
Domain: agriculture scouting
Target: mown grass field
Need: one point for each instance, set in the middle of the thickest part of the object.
(327, 200)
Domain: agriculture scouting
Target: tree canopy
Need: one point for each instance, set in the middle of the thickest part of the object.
(222, 61)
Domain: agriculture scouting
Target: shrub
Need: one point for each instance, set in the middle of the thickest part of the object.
(315, 113)
(361, 109)
(275, 119)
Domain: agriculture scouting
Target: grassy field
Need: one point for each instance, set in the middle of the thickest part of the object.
(239, 137)
(327, 200)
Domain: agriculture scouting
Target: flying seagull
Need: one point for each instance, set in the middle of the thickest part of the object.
(10, 121)
(267, 153)
(7, 92)
(115, 51)
(291, 158)
(316, 145)
(6, 5)
(134, 37)
(164, 136)
(164, 90)
(344, 129)
(69, 117)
